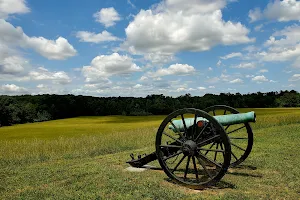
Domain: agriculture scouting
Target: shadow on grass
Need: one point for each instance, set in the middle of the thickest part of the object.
(245, 174)
(223, 185)
(218, 185)
(245, 167)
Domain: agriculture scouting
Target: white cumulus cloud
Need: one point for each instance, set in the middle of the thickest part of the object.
(251, 48)
(143, 78)
(58, 49)
(295, 77)
(238, 80)
(8, 7)
(138, 86)
(288, 36)
(12, 89)
(231, 55)
(104, 66)
(159, 58)
(175, 69)
(86, 36)
(263, 71)
(107, 16)
(255, 15)
(12, 65)
(213, 80)
(258, 28)
(202, 88)
(281, 11)
(245, 65)
(260, 79)
(173, 26)
(283, 45)
(42, 74)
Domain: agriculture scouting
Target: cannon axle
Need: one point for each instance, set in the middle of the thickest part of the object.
(189, 148)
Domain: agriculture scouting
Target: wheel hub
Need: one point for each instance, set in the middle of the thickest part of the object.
(189, 148)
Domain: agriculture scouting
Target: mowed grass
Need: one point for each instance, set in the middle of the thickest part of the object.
(84, 158)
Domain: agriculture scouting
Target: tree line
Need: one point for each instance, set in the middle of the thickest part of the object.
(37, 108)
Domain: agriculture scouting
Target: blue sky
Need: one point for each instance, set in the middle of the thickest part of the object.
(137, 48)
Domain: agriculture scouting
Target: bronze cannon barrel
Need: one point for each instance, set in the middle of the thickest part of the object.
(222, 119)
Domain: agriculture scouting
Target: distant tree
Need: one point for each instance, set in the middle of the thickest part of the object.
(289, 100)
(42, 116)
(29, 108)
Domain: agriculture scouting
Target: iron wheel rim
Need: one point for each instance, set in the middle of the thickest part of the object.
(236, 160)
(198, 158)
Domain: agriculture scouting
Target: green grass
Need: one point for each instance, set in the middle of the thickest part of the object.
(84, 158)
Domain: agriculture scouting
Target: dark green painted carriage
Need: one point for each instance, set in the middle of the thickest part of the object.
(196, 147)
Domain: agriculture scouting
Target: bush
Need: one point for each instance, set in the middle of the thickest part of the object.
(139, 113)
(43, 116)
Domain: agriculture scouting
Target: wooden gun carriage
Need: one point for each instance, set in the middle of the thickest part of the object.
(196, 147)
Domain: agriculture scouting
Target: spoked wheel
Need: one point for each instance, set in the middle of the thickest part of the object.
(240, 135)
(182, 141)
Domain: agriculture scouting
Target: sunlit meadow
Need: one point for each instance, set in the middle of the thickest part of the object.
(84, 158)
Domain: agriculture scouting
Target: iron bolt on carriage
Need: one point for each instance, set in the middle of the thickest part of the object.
(196, 147)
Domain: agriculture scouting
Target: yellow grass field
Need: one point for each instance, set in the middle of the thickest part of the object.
(84, 158)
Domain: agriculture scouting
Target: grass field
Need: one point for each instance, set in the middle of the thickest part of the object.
(84, 158)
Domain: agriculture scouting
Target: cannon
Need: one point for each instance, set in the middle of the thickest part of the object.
(196, 147)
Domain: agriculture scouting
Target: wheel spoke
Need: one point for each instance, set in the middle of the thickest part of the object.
(204, 167)
(238, 138)
(201, 132)
(216, 152)
(173, 137)
(195, 168)
(177, 130)
(184, 125)
(224, 112)
(236, 129)
(209, 160)
(238, 146)
(187, 167)
(194, 127)
(171, 146)
(234, 155)
(209, 148)
(214, 137)
(173, 155)
(227, 127)
(178, 163)
(214, 112)
(221, 145)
